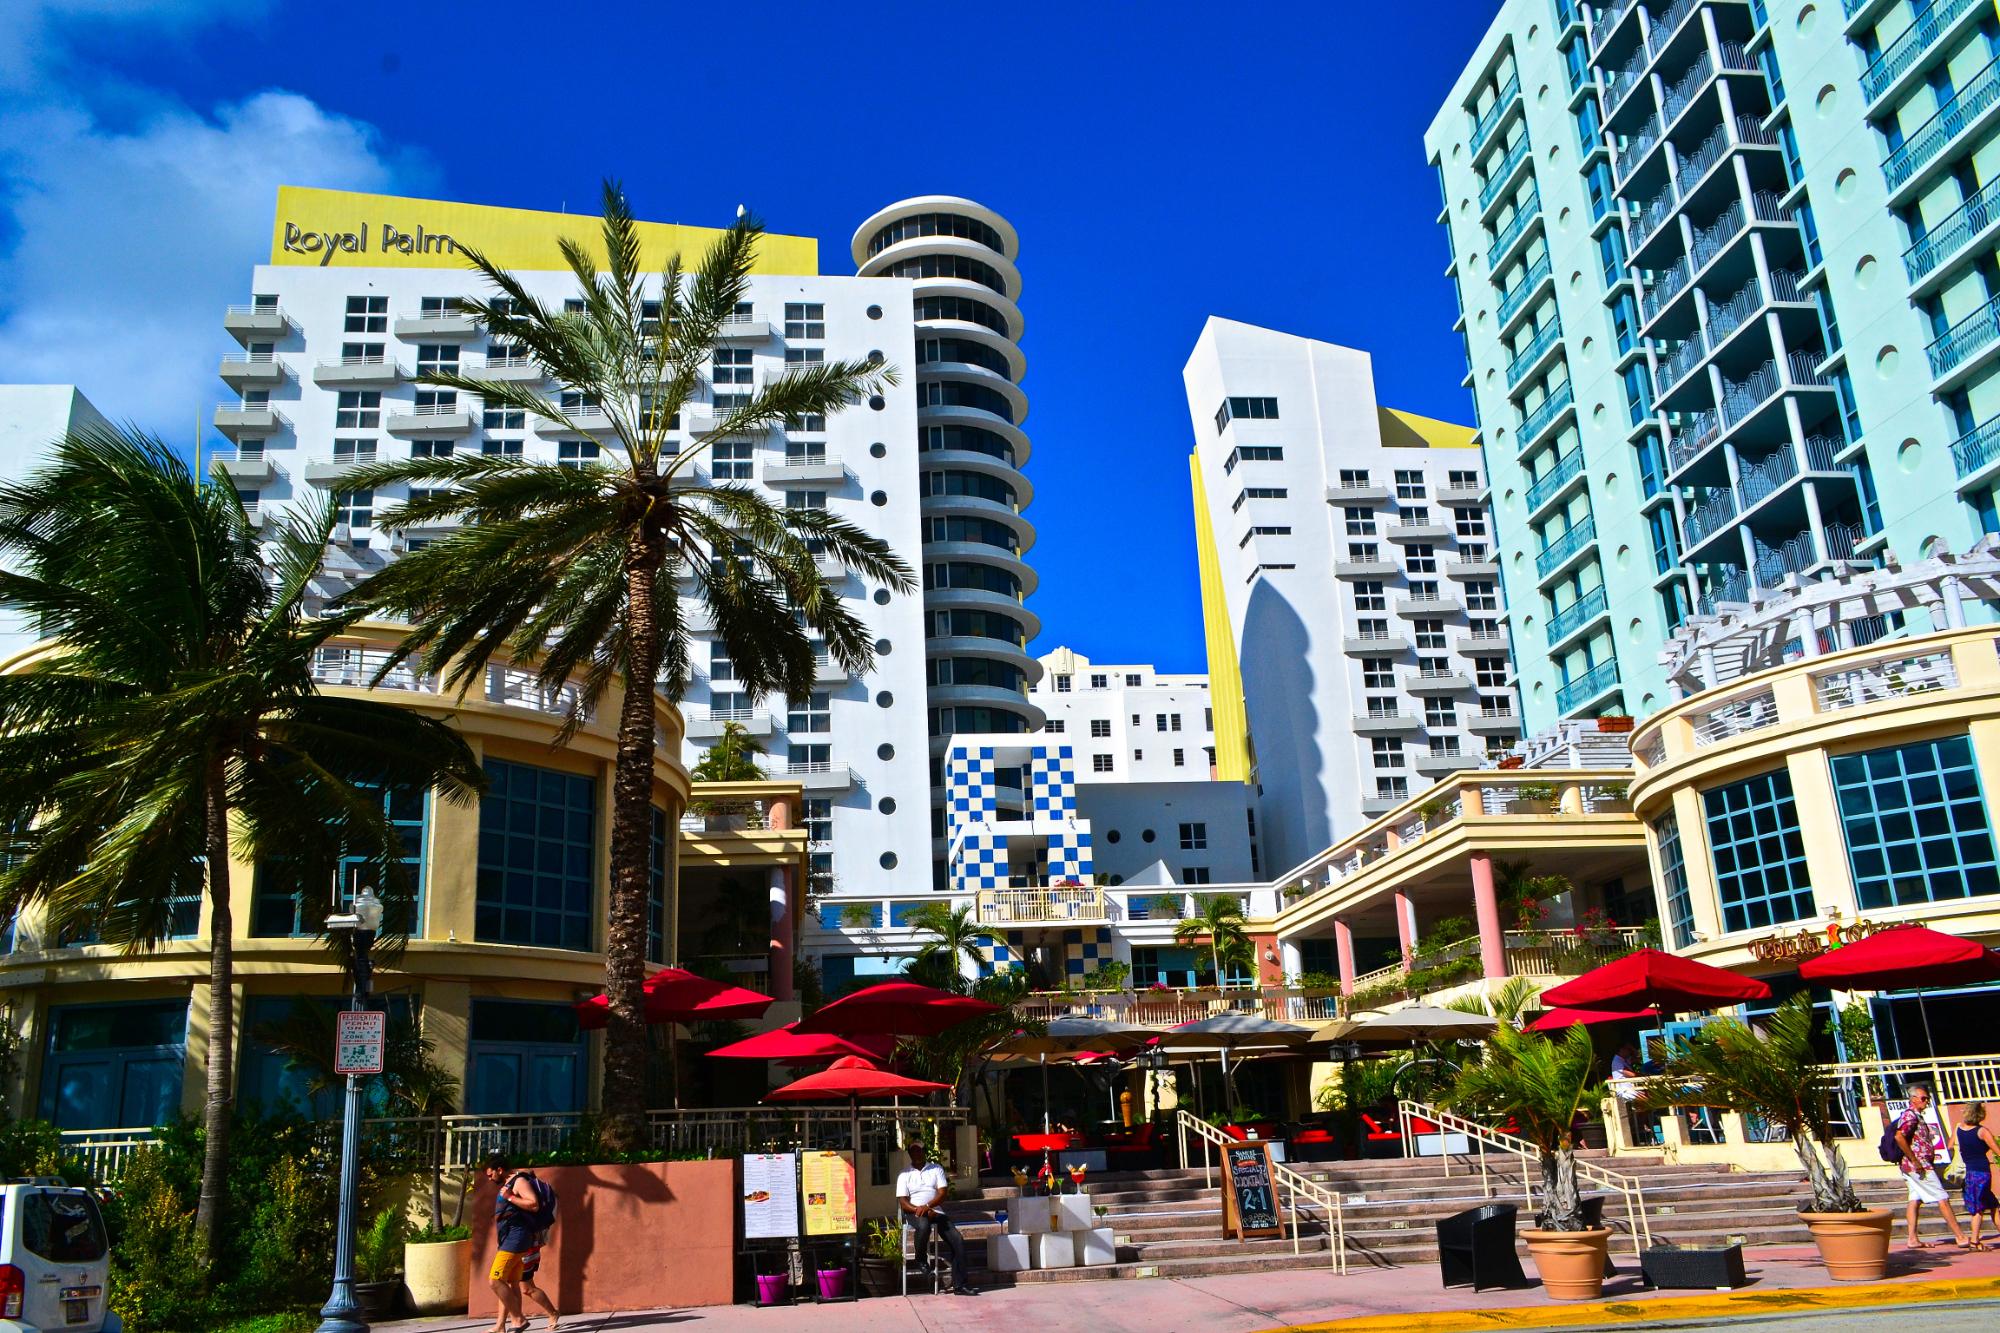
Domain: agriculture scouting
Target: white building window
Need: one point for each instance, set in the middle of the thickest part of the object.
(1481, 595)
(805, 319)
(1100, 682)
(1388, 751)
(1055, 725)
(1423, 560)
(1368, 596)
(1440, 714)
(1180, 760)
(814, 714)
(1490, 672)
(730, 460)
(358, 409)
(1359, 521)
(1100, 727)
(732, 365)
(1469, 522)
(1409, 484)
(575, 453)
(1377, 673)
(1100, 763)
(1392, 789)
(1062, 684)
(1194, 837)
(367, 314)
(1430, 635)
(1353, 479)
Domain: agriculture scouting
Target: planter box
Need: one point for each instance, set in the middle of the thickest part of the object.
(1055, 1250)
(633, 1236)
(1672, 1266)
(1073, 1212)
(439, 1276)
(1097, 1246)
(1010, 1254)
(1029, 1215)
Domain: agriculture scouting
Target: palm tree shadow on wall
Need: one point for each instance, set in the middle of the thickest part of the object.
(1284, 728)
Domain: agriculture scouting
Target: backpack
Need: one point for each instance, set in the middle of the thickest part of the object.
(1890, 1150)
(546, 1210)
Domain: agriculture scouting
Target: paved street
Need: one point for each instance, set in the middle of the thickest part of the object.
(1785, 1284)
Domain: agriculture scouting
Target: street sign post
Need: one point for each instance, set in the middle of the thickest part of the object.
(359, 1035)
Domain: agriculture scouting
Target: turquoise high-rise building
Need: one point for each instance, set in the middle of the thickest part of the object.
(1728, 286)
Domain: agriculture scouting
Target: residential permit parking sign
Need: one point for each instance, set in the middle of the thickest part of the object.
(358, 1037)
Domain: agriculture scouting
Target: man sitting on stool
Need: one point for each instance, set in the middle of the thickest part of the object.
(920, 1193)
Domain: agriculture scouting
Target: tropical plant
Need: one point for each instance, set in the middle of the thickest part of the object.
(576, 568)
(1542, 1083)
(1509, 1003)
(1218, 920)
(378, 1249)
(949, 934)
(858, 916)
(177, 708)
(733, 757)
(1775, 1075)
(1854, 1024)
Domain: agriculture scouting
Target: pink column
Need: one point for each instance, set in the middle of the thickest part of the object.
(782, 931)
(1486, 905)
(1343, 944)
(1406, 927)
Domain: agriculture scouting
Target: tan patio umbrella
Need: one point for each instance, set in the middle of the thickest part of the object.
(1387, 1029)
(1070, 1037)
(1227, 1034)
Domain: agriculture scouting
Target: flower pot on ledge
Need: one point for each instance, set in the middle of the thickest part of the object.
(1570, 1263)
(438, 1275)
(1854, 1246)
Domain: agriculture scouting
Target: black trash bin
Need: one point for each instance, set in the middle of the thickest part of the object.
(1477, 1246)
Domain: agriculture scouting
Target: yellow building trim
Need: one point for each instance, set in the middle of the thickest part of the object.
(1407, 430)
(348, 229)
(1235, 759)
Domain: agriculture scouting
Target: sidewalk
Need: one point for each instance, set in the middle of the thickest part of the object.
(1782, 1280)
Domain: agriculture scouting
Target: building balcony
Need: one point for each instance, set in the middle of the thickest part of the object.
(1496, 115)
(1926, 150)
(1437, 682)
(1081, 905)
(818, 776)
(1364, 569)
(512, 369)
(709, 725)
(1429, 607)
(248, 420)
(1482, 643)
(1977, 452)
(430, 419)
(357, 370)
(254, 370)
(744, 328)
(1375, 645)
(1566, 549)
(1971, 228)
(1589, 688)
(1375, 807)
(1518, 298)
(260, 323)
(1460, 495)
(1578, 616)
(323, 471)
(1486, 568)
(1426, 531)
(1513, 232)
(253, 466)
(1543, 417)
(1905, 55)
(1357, 495)
(440, 325)
(1953, 353)
(1493, 722)
(826, 671)
(805, 469)
(1504, 176)
(1386, 724)
(1438, 763)
(1535, 354)
(1556, 482)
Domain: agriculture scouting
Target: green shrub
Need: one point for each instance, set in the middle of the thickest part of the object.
(34, 1148)
(438, 1235)
(297, 1210)
(158, 1269)
(378, 1249)
(287, 1321)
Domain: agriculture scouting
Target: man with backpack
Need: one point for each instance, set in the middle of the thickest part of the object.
(1922, 1154)
(524, 1210)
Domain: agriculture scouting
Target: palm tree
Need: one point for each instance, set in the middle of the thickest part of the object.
(1218, 920)
(948, 937)
(1542, 1084)
(180, 698)
(575, 567)
(733, 757)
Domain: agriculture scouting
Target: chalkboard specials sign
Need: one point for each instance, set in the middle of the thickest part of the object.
(1249, 1199)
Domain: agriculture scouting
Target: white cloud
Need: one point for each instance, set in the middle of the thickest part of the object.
(126, 244)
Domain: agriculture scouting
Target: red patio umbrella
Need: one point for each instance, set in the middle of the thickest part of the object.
(675, 995)
(895, 1008)
(1652, 979)
(789, 1044)
(1555, 1020)
(1905, 957)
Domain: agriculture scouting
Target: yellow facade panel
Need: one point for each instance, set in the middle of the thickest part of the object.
(1407, 430)
(1234, 761)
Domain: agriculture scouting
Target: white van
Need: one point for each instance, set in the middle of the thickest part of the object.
(55, 1260)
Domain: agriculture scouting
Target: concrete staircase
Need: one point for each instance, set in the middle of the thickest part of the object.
(1170, 1225)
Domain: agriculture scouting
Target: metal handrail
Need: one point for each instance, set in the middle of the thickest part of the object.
(1626, 1187)
(1284, 1176)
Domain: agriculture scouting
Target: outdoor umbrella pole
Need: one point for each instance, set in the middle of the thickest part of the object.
(1043, 1060)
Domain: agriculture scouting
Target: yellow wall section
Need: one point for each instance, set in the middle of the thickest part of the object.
(1233, 759)
(344, 229)
(1407, 430)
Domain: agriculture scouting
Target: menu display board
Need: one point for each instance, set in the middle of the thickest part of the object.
(1249, 1200)
(770, 1195)
(827, 1178)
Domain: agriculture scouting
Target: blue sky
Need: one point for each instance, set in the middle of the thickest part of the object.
(1162, 162)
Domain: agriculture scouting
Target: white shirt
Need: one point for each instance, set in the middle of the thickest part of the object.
(922, 1185)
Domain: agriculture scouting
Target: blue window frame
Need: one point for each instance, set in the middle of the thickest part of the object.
(833, 915)
(1624, 321)
(1673, 875)
(1759, 853)
(1915, 823)
(1803, 215)
(536, 853)
(1871, 504)
(1652, 465)
(1666, 539)
(268, 1079)
(1850, 411)
(282, 906)
(1639, 391)
(114, 1065)
(1768, 58)
(524, 1057)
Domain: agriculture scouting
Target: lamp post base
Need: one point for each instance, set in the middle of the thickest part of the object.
(341, 1313)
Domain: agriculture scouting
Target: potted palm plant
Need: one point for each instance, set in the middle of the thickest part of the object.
(1542, 1083)
(1776, 1075)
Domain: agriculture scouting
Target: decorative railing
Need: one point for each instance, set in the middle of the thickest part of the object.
(1588, 686)
(1569, 953)
(1576, 615)
(1980, 211)
(1040, 906)
(1666, 285)
(1734, 717)
(1732, 587)
(1545, 412)
(1622, 81)
(1709, 241)
(1687, 87)
(1565, 547)
(1538, 347)
(1165, 1007)
(1524, 213)
(1742, 397)
(1649, 216)
(1680, 361)
(1634, 151)
(1920, 148)
(1486, 124)
(1606, 20)
(1305, 1194)
(1801, 553)
(1888, 678)
(1709, 517)
(1517, 296)
(1977, 447)
(1702, 430)
(1971, 334)
(1503, 173)
(1566, 469)
(356, 668)
(1896, 57)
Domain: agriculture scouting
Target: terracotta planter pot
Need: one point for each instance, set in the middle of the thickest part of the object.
(880, 1277)
(1571, 1263)
(438, 1275)
(1854, 1246)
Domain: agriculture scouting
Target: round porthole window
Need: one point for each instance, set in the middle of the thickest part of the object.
(882, 647)
(885, 699)
(888, 860)
(1112, 835)
(878, 450)
(877, 402)
(1146, 836)
(885, 752)
(879, 498)
(875, 357)
(887, 805)
(881, 597)
(874, 312)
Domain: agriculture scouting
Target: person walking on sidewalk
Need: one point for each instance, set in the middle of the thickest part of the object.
(522, 1214)
(1925, 1153)
(1976, 1148)
(920, 1193)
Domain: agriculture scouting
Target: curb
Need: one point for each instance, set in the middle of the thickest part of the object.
(1667, 1309)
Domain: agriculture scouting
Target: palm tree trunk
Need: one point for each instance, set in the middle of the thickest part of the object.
(221, 1015)
(624, 1103)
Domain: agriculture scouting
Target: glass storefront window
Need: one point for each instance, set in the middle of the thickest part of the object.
(1915, 824)
(1759, 853)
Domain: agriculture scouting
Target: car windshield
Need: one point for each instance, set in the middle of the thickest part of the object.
(63, 1228)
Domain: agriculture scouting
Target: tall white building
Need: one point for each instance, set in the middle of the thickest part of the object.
(363, 292)
(1127, 723)
(33, 416)
(1356, 636)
